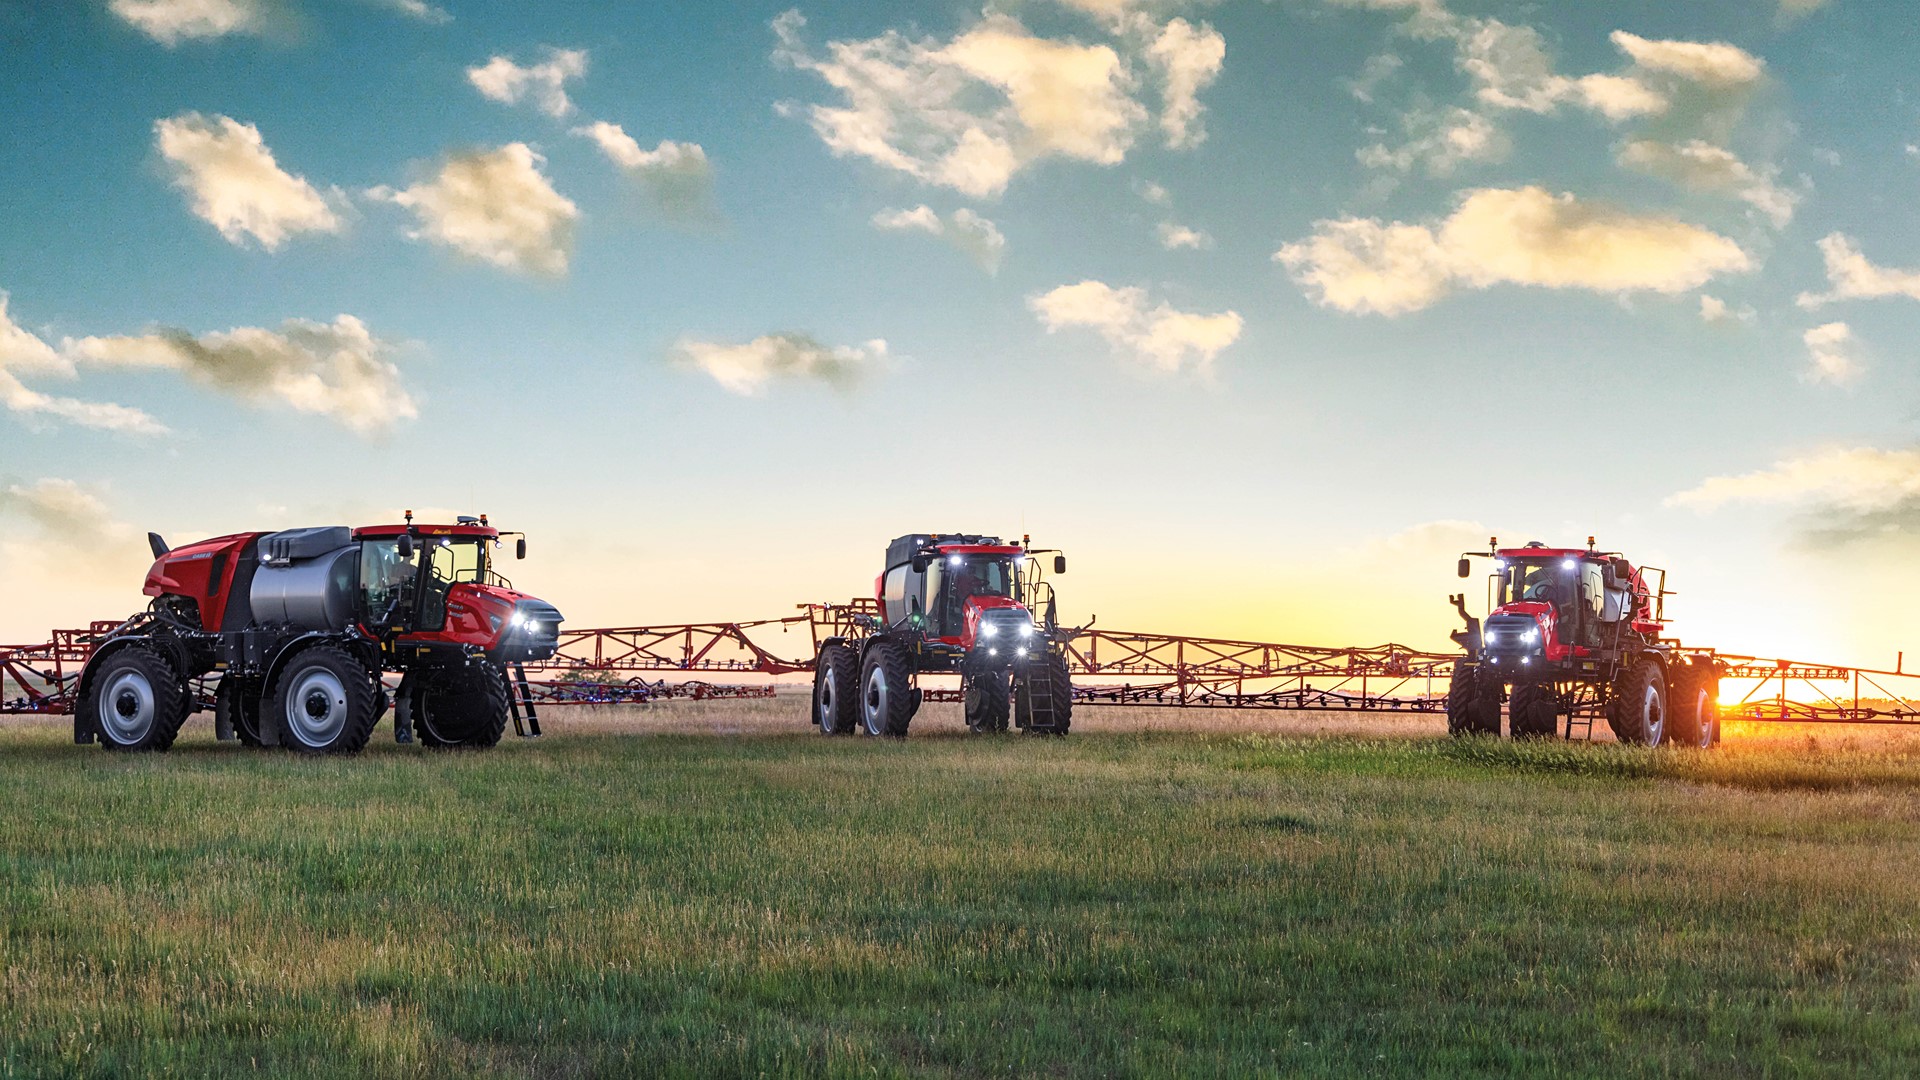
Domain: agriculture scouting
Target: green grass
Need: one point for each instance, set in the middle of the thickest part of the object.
(1111, 904)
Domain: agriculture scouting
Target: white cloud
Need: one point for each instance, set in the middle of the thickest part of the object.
(419, 9)
(170, 22)
(1152, 192)
(1175, 236)
(236, 186)
(1161, 336)
(545, 83)
(1850, 478)
(64, 510)
(338, 370)
(1715, 64)
(1835, 354)
(747, 369)
(23, 353)
(1704, 167)
(1511, 69)
(1524, 236)
(971, 112)
(495, 206)
(676, 175)
(1853, 277)
(1441, 140)
(1188, 59)
(1715, 310)
(975, 236)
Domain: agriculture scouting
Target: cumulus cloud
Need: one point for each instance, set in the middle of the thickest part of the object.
(746, 369)
(676, 175)
(23, 352)
(966, 230)
(1523, 236)
(1440, 140)
(62, 509)
(1846, 494)
(1152, 192)
(1159, 335)
(1188, 59)
(171, 22)
(1710, 63)
(338, 370)
(1174, 237)
(1715, 310)
(1704, 167)
(234, 184)
(419, 9)
(1851, 276)
(1834, 352)
(545, 83)
(496, 206)
(970, 113)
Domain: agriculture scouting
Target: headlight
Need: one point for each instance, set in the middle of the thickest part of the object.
(533, 626)
(1530, 636)
(1026, 629)
(987, 629)
(519, 617)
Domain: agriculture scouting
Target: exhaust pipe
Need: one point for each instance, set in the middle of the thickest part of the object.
(158, 545)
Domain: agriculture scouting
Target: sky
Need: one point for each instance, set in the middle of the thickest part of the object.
(1262, 311)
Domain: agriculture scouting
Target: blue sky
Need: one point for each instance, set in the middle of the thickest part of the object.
(1263, 310)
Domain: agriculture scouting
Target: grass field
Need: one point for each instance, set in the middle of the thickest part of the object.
(637, 895)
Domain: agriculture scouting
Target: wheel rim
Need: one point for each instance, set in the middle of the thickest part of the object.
(824, 700)
(876, 701)
(1703, 703)
(316, 707)
(127, 707)
(1656, 726)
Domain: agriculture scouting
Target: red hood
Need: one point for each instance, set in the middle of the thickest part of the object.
(978, 605)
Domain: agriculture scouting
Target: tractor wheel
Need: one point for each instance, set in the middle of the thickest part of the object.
(323, 698)
(836, 689)
(887, 699)
(236, 707)
(989, 699)
(466, 708)
(1696, 713)
(1473, 702)
(138, 700)
(1637, 712)
(1043, 701)
(1533, 712)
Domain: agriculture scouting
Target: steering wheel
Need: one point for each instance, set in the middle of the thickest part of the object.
(1539, 590)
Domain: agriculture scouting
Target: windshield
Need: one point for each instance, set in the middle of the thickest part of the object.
(951, 582)
(1542, 581)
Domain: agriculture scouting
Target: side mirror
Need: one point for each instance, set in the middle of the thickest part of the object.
(919, 564)
(520, 548)
(1059, 564)
(406, 545)
(1466, 568)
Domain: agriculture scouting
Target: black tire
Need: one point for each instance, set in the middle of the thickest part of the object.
(236, 706)
(1533, 712)
(1638, 712)
(836, 689)
(137, 699)
(1473, 701)
(1043, 701)
(323, 700)
(1696, 710)
(887, 700)
(989, 702)
(467, 708)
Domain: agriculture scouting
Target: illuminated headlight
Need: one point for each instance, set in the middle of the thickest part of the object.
(533, 626)
(987, 629)
(1530, 636)
(1526, 659)
(1568, 565)
(1026, 630)
(993, 652)
(1021, 652)
(519, 617)
(955, 560)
